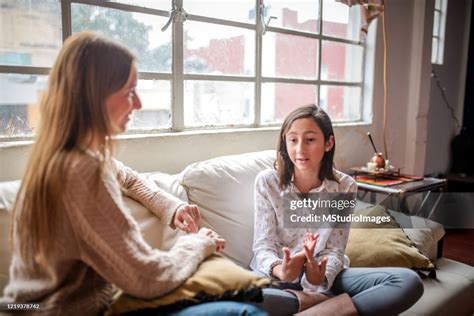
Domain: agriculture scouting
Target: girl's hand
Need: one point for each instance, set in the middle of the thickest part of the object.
(315, 272)
(187, 218)
(310, 241)
(291, 267)
(218, 240)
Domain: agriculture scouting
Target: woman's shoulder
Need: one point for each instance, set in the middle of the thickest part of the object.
(83, 159)
(81, 165)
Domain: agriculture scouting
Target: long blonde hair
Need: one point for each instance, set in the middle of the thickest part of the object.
(88, 69)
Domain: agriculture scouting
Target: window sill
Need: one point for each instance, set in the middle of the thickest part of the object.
(172, 134)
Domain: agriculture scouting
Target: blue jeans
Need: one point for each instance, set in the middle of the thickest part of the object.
(379, 291)
(374, 291)
(220, 308)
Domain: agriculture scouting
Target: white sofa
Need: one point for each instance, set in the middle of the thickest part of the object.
(223, 190)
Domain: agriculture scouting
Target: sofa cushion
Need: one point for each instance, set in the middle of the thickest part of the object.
(157, 234)
(216, 278)
(426, 239)
(425, 235)
(224, 188)
(449, 294)
(8, 192)
(5, 249)
(382, 245)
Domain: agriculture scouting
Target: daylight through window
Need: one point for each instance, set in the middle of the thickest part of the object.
(218, 64)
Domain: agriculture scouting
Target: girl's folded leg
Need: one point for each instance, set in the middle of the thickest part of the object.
(379, 291)
(278, 302)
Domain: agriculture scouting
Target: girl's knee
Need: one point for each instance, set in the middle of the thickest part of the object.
(412, 283)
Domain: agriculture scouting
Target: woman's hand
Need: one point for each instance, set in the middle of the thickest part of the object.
(218, 240)
(187, 218)
(291, 267)
(315, 272)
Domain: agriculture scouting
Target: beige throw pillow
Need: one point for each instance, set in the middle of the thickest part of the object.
(383, 247)
(216, 278)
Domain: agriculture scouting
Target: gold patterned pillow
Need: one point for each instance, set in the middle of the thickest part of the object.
(384, 246)
(216, 278)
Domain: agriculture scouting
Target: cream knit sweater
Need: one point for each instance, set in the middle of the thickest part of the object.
(100, 246)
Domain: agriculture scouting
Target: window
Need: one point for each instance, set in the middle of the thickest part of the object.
(243, 63)
(439, 25)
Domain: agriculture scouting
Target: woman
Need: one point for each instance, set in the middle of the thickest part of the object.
(73, 240)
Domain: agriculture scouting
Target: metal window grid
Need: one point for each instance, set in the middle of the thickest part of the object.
(178, 77)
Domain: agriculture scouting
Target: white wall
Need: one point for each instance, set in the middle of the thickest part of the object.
(172, 152)
(452, 74)
(409, 134)
(420, 128)
(399, 30)
(408, 29)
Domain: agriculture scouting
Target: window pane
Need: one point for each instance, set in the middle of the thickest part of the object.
(340, 20)
(30, 33)
(153, 4)
(213, 103)
(19, 112)
(434, 51)
(279, 99)
(341, 103)
(341, 62)
(234, 10)
(218, 50)
(140, 32)
(289, 56)
(436, 24)
(438, 4)
(301, 15)
(156, 105)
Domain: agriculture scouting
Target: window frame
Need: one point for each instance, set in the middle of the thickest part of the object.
(442, 12)
(177, 77)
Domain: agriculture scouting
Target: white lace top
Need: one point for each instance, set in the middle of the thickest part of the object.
(270, 236)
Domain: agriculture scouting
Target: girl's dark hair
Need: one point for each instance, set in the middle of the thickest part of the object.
(284, 165)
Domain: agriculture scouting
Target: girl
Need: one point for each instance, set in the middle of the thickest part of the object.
(72, 236)
(313, 261)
